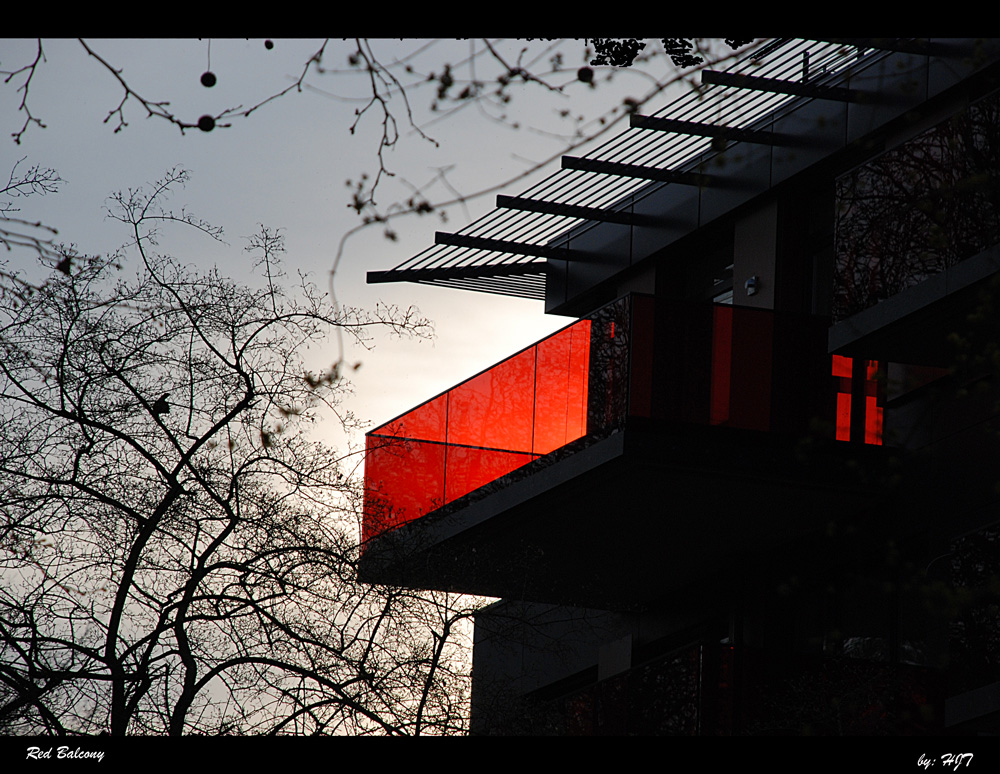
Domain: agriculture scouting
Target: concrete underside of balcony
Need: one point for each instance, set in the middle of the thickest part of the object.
(620, 522)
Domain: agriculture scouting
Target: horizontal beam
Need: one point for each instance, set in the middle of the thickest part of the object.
(572, 210)
(456, 272)
(635, 170)
(777, 86)
(506, 246)
(705, 130)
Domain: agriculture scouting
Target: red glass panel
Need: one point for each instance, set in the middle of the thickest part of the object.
(842, 366)
(843, 416)
(841, 370)
(578, 393)
(469, 469)
(873, 413)
(425, 423)
(873, 421)
(495, 408)
(478, 431)
(561, 376)
(403, 480)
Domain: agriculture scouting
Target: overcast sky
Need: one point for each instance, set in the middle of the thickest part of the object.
(286, 166)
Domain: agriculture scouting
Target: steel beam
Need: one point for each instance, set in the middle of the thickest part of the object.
(777, 86)
(635, 170)
(572, 210)
(706, 130)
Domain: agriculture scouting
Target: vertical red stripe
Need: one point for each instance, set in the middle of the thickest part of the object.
(722, 356)
(843, 416)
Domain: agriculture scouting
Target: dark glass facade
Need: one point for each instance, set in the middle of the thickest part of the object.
(918, 209)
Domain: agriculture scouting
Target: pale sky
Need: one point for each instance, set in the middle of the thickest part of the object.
(286, 165)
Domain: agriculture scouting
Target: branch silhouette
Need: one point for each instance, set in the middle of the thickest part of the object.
(179, 555)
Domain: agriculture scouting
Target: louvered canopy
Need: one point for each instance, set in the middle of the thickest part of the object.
(508, 251)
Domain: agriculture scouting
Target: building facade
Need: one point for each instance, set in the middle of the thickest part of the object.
(753, 489)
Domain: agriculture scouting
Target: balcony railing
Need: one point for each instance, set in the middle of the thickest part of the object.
(708, 364)
(520, 409)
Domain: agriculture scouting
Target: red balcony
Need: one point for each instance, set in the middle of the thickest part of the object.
(520, 409)
(632, 364)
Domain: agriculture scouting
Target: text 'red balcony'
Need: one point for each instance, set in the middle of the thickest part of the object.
(525, 406)
(631, 361)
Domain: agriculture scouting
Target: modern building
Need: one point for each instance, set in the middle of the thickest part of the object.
(753, 488)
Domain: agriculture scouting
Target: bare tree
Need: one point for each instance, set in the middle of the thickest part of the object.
(178, 554)
(18, 233)
(414, 92)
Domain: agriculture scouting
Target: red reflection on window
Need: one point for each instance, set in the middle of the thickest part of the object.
(843, 370)
(842, 366)
(843, 416)
(873, 412)
(873, 421)
(527, 405)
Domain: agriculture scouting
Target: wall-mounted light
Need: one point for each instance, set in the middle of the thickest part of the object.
(751, 285)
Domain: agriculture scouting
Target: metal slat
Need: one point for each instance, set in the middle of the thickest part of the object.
(506, 246)
(625, 165)
(456, 272)
(529, 287)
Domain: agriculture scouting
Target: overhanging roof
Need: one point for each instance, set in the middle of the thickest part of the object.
(504, 251)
